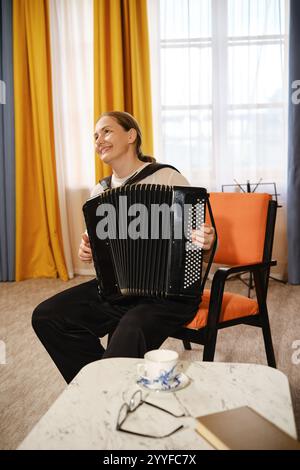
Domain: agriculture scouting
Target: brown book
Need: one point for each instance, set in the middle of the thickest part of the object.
(243, 429)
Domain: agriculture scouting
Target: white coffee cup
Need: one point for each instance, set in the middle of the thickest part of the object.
(159, 365)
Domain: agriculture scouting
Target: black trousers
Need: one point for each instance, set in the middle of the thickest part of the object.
(70, 324)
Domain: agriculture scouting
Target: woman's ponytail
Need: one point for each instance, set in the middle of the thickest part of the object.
(145, 158)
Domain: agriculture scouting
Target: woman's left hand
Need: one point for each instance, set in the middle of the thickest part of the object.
(204, 237)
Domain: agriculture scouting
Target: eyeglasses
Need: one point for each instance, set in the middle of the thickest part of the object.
(135, 402)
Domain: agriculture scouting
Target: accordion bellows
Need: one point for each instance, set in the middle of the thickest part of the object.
(140, 237)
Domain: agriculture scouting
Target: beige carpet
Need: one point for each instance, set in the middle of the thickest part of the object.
(29, 382)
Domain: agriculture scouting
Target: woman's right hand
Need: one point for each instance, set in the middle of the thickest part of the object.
(85, 252)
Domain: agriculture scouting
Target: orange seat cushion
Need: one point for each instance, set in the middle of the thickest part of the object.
(233, 306)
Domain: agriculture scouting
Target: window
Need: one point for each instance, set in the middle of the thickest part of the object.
(222, 82)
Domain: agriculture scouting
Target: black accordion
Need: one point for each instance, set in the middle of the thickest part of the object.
(140, 237)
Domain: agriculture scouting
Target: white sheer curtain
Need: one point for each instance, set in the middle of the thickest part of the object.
(71, 27)
(222, 72)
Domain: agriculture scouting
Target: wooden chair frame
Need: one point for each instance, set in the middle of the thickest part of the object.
(207, 336)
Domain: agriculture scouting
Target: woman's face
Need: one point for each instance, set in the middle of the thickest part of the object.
(111, 140)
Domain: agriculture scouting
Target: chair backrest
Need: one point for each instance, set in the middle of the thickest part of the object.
(241, 220)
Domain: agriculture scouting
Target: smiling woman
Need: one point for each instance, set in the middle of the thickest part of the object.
(112, 142)
(70, 323)
(114, 130)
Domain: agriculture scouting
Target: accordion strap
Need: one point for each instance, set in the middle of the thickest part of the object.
(147, 171)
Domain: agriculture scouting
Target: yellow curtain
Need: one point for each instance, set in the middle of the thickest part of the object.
(122, 65)
(38, 233)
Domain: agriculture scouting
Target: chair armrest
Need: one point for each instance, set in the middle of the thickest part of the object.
(218, 283)
(222, 273)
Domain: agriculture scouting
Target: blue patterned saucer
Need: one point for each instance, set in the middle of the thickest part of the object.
(176, 383)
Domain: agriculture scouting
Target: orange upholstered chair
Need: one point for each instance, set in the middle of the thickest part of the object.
(245, 226)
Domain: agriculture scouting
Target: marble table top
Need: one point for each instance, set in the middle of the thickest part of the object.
(84, 416)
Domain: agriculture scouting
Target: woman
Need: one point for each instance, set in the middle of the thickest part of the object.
(70, 324)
